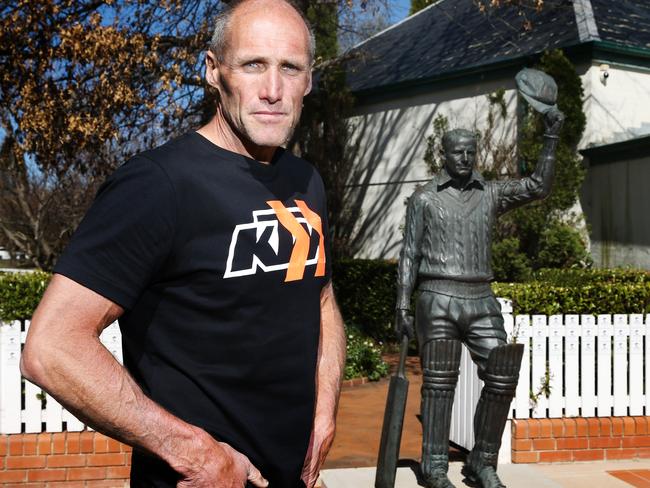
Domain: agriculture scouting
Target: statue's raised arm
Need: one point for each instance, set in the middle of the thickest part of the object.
(540, 90)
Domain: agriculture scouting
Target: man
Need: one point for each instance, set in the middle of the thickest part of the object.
(212, 251)
(446, 249)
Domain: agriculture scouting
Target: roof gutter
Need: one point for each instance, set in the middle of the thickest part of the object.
(604, 51)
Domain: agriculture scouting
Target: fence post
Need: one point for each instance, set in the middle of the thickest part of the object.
(647, 364)
(636, 364)
(621, 335)
(555, 376)
(604, 365)
(588, 369)
(10, 380)
(539, 366)
(572, 376)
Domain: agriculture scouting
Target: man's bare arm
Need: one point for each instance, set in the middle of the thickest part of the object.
(331, 361)
(64, 356)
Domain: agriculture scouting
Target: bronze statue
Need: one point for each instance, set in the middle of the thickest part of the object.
(447, 253)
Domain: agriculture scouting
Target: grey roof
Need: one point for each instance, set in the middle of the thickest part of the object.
(625, 22)
(453, 35)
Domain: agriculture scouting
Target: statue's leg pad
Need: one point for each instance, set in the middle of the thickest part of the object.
(440, 367)
(500, 375)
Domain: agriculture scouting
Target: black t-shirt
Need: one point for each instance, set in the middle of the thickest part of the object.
(218, 261)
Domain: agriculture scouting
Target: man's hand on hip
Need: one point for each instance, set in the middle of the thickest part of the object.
(319, 445)
(218, 465)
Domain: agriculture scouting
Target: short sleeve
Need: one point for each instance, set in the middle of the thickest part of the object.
(328, 246)
(127, 234)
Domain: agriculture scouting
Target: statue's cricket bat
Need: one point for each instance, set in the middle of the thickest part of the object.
(391, 432)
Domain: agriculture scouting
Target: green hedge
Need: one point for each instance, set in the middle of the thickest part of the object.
(20, 293)
(592, 291)
(596, 298)
(365, 290)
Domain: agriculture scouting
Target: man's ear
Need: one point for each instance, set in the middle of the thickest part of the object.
(308, 89)
(211, 69)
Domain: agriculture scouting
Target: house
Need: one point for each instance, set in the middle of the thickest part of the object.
(447, 58)
(616, 202)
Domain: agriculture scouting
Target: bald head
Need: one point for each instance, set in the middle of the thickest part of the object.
(220, 41)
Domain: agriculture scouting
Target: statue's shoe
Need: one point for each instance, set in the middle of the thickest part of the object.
(438, 480)
(485, 477)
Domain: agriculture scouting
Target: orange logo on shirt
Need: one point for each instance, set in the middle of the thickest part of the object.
(300, 221)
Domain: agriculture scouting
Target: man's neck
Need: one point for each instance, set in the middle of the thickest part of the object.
(220, 132)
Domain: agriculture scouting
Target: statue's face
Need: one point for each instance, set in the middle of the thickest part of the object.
(460, 157)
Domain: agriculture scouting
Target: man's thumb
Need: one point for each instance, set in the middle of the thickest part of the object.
(255, 477)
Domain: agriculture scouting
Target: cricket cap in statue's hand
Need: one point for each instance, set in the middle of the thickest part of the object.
(538, 88)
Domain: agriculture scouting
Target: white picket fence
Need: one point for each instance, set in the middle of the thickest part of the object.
(24, 407)
(594, 366)
(575, 366)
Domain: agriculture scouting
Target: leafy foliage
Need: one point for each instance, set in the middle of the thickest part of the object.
(363, 357)
(507, 261)
(323, 135)
(560, 246)
(84, 85)
(20, 294)
(417, 5)
(365, 291)
(595, 298)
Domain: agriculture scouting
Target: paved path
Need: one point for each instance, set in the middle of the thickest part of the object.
(564, 475)
(353, 456)
(361, 413)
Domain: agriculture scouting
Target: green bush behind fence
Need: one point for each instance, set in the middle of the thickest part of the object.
(20, 293)
(365, 290)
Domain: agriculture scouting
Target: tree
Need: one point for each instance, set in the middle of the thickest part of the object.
(85, 84)
(323, 136)
(417, 5)
(523, 7)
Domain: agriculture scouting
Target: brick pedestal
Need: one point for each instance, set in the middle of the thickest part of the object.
(580, 439)
(70, 459)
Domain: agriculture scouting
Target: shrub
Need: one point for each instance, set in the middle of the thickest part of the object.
(561, 246)
(365, 291)
(592, 298)
(20, 294)
(509, 263)
(363, 357)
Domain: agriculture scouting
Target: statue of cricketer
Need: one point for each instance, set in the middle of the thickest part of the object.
(446, 253)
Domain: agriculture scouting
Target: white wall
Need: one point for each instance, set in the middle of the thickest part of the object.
(619, 108)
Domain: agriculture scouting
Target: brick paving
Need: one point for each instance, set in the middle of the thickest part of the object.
(360, 416)
(639, 478)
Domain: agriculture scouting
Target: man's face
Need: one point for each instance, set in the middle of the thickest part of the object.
(265, 73)
(460, 156)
